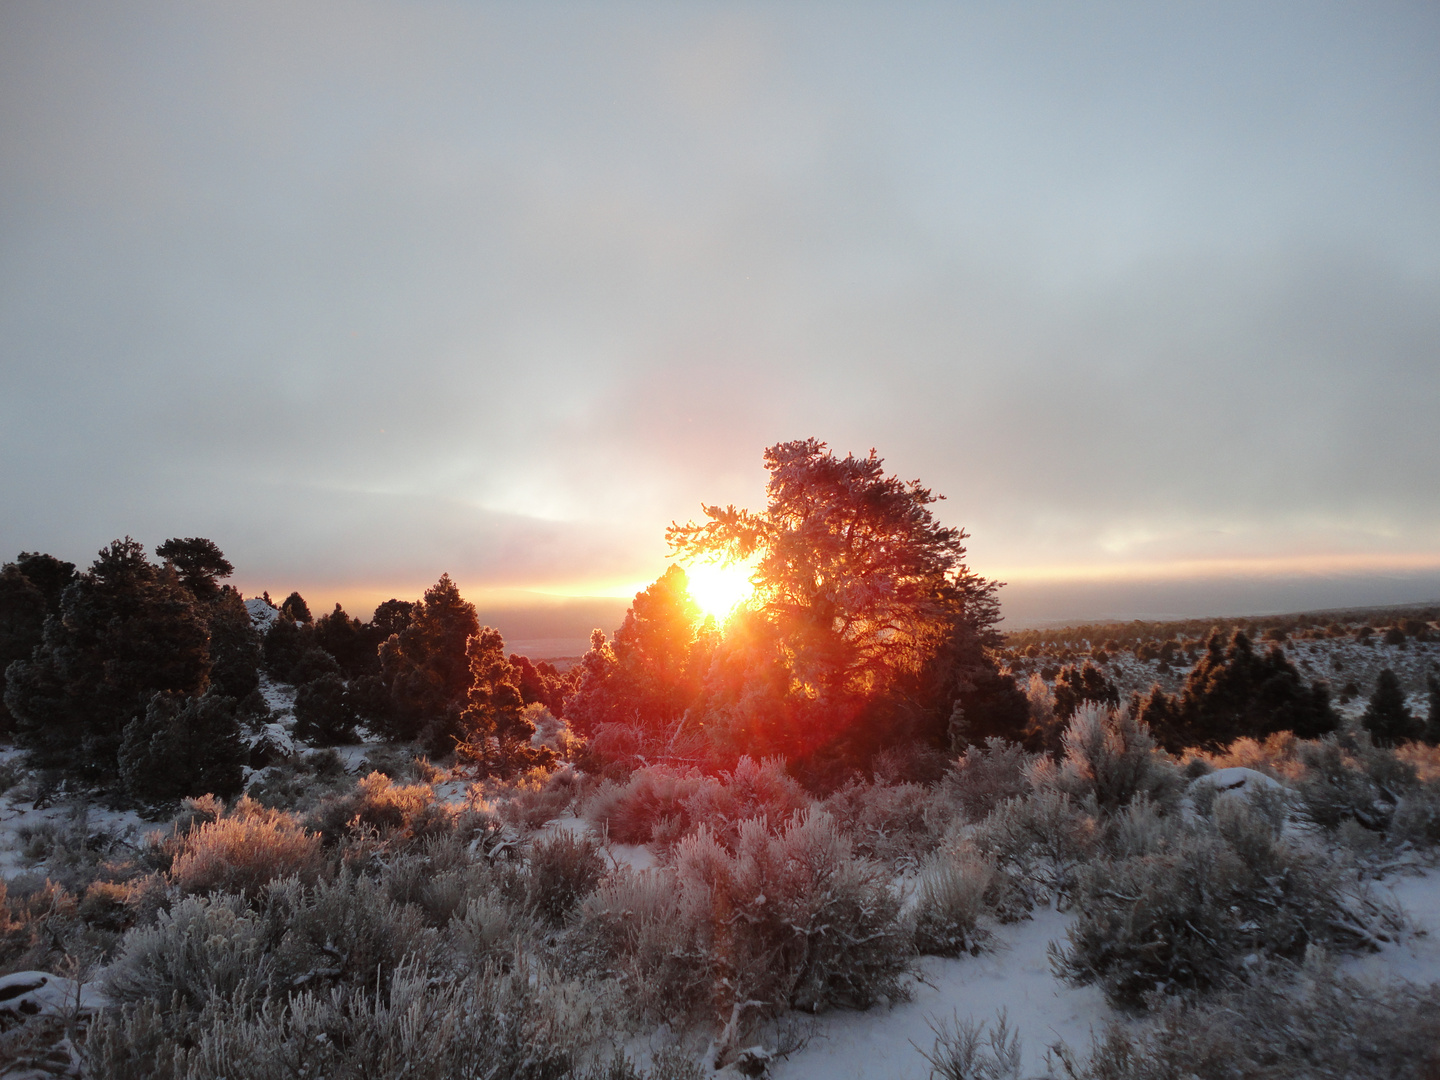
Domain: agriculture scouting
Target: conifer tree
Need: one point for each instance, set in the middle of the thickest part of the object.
(1074, 686)
(1233, 691)
(1387, 717)
(236, 648)
(295, 609)
(126, 630)
(495, 734)
(324, 712)
(183, 746)
(425, 670)
(200, 564)
(645, 677)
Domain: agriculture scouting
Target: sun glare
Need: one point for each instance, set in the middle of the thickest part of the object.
(719, 587)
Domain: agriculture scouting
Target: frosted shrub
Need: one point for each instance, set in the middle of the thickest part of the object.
(539, 797)
(563, 869)
(1039, 841)
(753, 790)
(203, 948)
(798, 921)
(949, 904)
(971, 1050)
(1279, 1026)
(393, 811)
(786, 920)
(345, 931)
(631, 811)
(986, 777)
(1363, 783)
(523, 1026)
(890, 822)
(655, 939)
(243, 852)
(1188, 916)
(1111, 757)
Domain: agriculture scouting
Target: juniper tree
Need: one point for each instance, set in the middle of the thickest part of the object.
(199, 562)
(1387, 717)
(125, 631)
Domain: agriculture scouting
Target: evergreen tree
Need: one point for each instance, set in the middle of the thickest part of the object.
(349, 641)
(1386, 717)
(495, 734)
(1074, 686)
(183, 746)
(284, 644)
(1161, 714)
(30, 590)
(645, 677)
(295, 609)
(861, 600)
(50, 575)
(200, 564)
(425, 669)
(236, 648)
(324, 712)
(22, 621)
(391, 617)
(1233, 691)
(126, 630)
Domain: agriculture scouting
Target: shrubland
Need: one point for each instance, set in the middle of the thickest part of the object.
(850, 774)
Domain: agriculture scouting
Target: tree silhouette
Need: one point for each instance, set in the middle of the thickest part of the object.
(1387, 717)
(200, 563)
(858, 591)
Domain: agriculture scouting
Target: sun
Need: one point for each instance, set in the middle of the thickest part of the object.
(718, 588)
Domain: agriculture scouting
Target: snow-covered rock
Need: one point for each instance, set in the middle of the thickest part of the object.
(1237, 778)
(262, 613)
(36, 993)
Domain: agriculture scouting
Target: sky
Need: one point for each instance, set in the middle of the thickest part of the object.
(371, 292)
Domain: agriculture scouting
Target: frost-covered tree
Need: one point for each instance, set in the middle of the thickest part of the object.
(647, 676)
(494, 729)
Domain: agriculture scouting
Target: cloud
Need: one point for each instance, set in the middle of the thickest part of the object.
(378, 291)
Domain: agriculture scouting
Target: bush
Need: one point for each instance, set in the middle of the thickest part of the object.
(984, 778)
(1276, 1024)
(653, 797)
(1188, 915)
(790, 919)
(563, 870)
(525, 1026)
(890, 822)
(345, 932)
(971, 1050)
(1111, 757)
(203, 948)
(394, 812)
(949, 905)
(1039, 841)
(1361, 783)
(245, 851)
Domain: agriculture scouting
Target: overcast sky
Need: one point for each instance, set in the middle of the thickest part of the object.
(370, 292)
